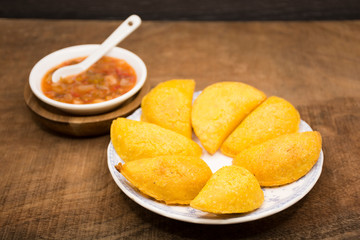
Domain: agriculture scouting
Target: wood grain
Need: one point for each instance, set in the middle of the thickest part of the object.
(57, 187)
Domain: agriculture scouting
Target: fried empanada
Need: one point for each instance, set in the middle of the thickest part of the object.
(169, 105)
(274, 117)
(231, 189)
(172, 179)
(281, 160)
(134, 140)
(219, 109)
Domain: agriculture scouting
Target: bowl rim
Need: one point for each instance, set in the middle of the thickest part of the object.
(34, 79)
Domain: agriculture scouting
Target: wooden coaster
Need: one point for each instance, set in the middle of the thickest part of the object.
(65, 123)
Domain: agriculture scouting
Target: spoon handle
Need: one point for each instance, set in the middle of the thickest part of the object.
(127, 27)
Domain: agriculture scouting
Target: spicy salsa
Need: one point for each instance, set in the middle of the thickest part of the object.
(108, 78)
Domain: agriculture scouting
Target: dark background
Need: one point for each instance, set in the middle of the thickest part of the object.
(183, 9)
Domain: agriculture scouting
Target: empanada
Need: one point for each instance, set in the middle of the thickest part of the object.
(134, 140)
(219, 109)
(231, 189)
(274, 117)
(172, 179)
(281, 160)
(169, 105)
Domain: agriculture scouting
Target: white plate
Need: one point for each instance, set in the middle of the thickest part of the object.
(276, 199)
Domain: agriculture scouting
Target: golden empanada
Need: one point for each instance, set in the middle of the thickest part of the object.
(169, 105)
(220, 108)
(172, 179)
(231, 189)
(281, 160)
(274, 117)
(134, 140)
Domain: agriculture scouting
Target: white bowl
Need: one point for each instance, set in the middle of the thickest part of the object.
(58, 57)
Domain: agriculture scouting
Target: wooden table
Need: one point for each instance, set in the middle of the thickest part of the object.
(54, 186)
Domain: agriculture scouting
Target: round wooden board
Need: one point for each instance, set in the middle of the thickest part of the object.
(65, 123)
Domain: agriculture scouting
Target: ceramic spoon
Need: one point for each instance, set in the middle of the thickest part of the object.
(127, 27)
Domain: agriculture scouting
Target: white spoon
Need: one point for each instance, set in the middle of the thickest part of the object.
(127, 27)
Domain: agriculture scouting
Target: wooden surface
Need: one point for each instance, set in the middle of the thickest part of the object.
(183, 10)
(57, 187)
(80, 126)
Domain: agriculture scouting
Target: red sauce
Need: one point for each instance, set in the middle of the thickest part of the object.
(108, 78)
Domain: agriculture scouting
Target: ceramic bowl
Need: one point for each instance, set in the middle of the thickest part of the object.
(58, 57)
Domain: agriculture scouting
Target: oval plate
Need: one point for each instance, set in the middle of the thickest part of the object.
(276, 199)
